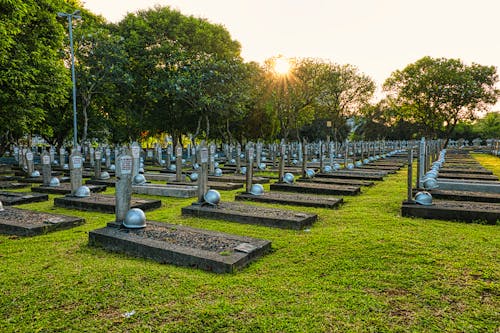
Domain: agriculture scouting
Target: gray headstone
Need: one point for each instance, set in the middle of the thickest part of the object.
(46, 168)
(75, 170)
(123, 192)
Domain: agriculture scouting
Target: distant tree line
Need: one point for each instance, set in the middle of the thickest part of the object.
(160, 72)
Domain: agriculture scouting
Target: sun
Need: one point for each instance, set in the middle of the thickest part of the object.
(282, 65)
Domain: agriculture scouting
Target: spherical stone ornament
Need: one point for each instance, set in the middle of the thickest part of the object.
(112, 167)
(82, 192)
(141, 170)
(430, 183)
(336, 166)
(56, 162)
(358, 164)
(218, 172)
(288, 178)
(327, 169)
(35, 173)
(264, 159)
(423, 198)
(366, 161)
(350, 166)
(262, 166)
(54, 182)
(232, 161)
(257, 189)
(216, 164)
(139, 179)
(66, 166)
(172, 167)
(310, 173)
(212, 197)
(243, 170)
(193, 176)
(104, 175)
(295, 162)
(196, 166)
(135, 219)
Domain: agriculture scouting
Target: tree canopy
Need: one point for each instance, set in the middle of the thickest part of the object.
(436, 94)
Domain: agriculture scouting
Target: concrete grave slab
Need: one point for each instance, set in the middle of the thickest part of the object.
(241, 213)
(21, 222)
(295, 199)
(65, 189)
(316, 188)
(183, 246)
(103, 203)
(20, 198)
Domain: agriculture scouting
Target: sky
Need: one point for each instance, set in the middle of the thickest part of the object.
(376, 36)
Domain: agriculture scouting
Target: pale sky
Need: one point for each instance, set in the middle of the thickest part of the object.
(377, 36)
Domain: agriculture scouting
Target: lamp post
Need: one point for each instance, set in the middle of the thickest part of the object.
(74, 15)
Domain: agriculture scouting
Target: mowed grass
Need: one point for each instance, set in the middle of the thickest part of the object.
(361, 268)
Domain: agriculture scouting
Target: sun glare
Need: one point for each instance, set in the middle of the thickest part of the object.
(282, 65)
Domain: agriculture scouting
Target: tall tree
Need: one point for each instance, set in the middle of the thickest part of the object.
(33, 78)
(436, 93)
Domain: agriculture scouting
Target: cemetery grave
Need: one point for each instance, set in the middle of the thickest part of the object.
(463, 201)
(316, 188)
(19, 198)
(183, 246)
(132, 234)
(295, 199)
(11, 185)
(65, 188)
(21, 222)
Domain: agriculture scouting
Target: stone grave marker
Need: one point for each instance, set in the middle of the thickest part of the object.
(123, 192)
(107, 155)
(46, 168)
(92, 156)
(97, 165)
(238, 157)
(249, 156)
(304, 157)
(29, 162)
(75, 170)
(62, 156)
(178, 163)
(203, 176)
(52, 154)
(211, 161)
(136, 158)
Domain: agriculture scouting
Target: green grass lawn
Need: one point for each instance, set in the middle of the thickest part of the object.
(361, 268)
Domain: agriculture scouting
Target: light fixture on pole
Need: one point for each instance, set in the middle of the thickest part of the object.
(74, 15)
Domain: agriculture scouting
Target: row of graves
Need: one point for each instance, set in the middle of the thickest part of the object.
(451, 185)
(315, 174)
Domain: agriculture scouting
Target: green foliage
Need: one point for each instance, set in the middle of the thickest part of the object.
(437, 93)
(360, 268)
(33, 79)
(489, 126)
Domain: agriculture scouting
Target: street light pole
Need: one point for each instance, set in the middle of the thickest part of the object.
(75, 15)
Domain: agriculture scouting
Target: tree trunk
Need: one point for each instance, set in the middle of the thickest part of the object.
(208, 126)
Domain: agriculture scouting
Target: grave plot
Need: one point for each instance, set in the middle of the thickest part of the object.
(23, 222)
(215, 185)
(338, 181)
(159, 176)
(183, 246)
(238, 179)
(484, 177)
(454, 211)
(65, 189)
(241, 213)
(295, 199)
(464, 195)
(10, 185)
(457, 170)
(316, 188)
(388, 169)
(20, 198)
(39, 180)
(105, 182)
(166, 190)
(102, 203)
(351, 175)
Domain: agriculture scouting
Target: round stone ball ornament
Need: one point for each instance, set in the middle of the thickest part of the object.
(135, 219)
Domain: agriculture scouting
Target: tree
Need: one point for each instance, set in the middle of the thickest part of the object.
(437, 93)
(33, 79)
(488, 127)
